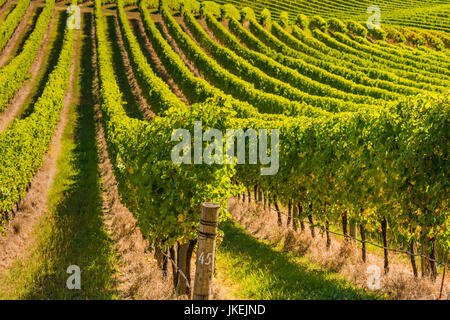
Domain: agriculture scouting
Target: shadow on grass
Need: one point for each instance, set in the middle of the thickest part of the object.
(265, 273)
(73, 233)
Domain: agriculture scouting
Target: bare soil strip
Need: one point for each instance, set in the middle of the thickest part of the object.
(19, 231)
(21, 96)
(138, 274)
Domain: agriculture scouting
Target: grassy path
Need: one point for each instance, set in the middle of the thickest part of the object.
(252, 269)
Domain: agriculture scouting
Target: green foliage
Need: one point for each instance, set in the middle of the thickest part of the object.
(386, 60)
(369, 158)
(378, 33)
(372, 160)
(317, 22)
(25, 141)
(154, 4)
(302, 21)
(356, 29)
(284, 19)
(230, 11)
(273, 68)
(303, 62)
(156, 91)
(332, 56)
(247, 14)
(248, 72)
(192, 6)
(266, 18)
(336, 25)
(394, 35)
(194, 88)
(425, 15)
(226, 81)
(174, 5)
(8, 26)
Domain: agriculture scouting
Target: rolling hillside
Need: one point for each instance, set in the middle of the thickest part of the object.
(351, 140)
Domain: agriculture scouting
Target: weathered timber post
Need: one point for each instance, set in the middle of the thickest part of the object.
(300, 211)
(289, 218)
(413, 259)
(265, 200)
(206, 251)
(433, 264)
(277, 208)
(345, 225)
(362, 232)
(385, 245)
(295, 217)
(311, 221)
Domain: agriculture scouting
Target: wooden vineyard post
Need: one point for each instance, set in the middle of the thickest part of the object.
(206, 251)
(443, 278)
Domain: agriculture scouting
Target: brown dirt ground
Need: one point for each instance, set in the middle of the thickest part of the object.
(139, 274)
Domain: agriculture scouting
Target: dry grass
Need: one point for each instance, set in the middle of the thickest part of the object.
(342, 257)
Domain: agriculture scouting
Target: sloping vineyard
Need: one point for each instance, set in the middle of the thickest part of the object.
(413, 13)
(354, 121)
